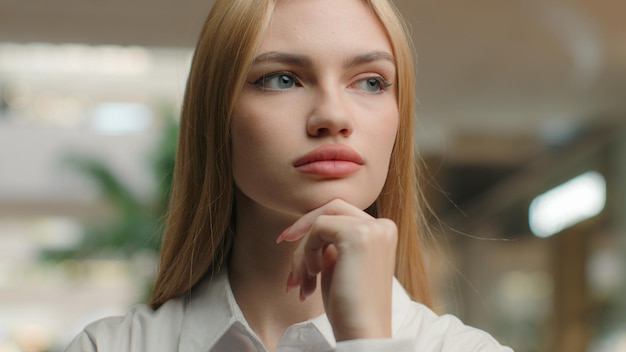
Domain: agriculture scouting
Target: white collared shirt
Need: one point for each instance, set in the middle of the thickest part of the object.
(211, 320)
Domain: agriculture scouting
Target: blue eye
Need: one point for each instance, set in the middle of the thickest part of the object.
(275, 81)
(372, 84)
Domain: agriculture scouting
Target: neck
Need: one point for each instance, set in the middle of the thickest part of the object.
(258, 271)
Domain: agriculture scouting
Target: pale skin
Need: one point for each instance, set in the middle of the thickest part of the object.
(323, 76)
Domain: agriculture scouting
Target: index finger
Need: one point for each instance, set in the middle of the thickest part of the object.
(335, 207)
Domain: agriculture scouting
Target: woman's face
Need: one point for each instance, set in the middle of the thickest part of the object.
(318, 116)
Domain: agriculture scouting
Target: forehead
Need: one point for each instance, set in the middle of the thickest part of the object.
(323, 27)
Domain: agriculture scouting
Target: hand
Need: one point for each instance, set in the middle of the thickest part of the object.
(355, 255)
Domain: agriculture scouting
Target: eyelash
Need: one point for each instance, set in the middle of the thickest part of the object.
(384, 85)
(258, 83)
(261, 80)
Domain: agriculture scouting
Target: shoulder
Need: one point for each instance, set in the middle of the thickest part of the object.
(141, 329)
(187, 323)
(432, 332)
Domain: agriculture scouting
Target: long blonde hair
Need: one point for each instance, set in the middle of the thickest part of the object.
(198, 231)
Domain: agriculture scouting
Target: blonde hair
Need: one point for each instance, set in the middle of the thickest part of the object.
(198, 231)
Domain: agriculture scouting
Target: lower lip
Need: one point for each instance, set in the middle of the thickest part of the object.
(330, 168)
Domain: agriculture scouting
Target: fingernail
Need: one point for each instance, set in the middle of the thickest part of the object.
(281, 237)
(302, 296)
(295, 278)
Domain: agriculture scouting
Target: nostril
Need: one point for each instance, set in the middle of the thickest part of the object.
(345, 132)
(321, 132)
(325, 131)
(324, 123)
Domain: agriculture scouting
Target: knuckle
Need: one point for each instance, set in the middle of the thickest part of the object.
(388, 230)
(335, 201)
(334, 206)
(363, 228)
(319, 222)
(364, 235)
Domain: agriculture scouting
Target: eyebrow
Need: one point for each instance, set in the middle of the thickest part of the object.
(273, 56)
(370, 57)
(301, 60)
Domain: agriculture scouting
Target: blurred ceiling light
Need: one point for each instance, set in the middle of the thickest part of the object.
(568, 204)
(120, 118)
(73, 59)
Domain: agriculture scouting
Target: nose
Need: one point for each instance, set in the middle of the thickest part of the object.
(330, 115)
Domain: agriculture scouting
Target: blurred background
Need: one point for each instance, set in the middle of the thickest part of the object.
(521, 126)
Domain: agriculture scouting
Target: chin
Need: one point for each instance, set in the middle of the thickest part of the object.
(360, 201)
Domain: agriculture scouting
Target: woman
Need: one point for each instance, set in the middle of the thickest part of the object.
(294, 198)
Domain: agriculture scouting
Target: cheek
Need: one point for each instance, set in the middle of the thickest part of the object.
(259, 141)
(388, 132)
(249, 129)
(391, 127)
(387, 129)
(380, 118)
(247, 144)
(246, 133)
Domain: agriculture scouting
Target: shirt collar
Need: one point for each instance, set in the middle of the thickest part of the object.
(211, 310)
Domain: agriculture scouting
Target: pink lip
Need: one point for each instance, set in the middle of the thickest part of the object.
(330, 160)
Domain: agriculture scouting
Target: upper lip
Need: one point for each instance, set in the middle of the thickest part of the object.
(329, 152)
